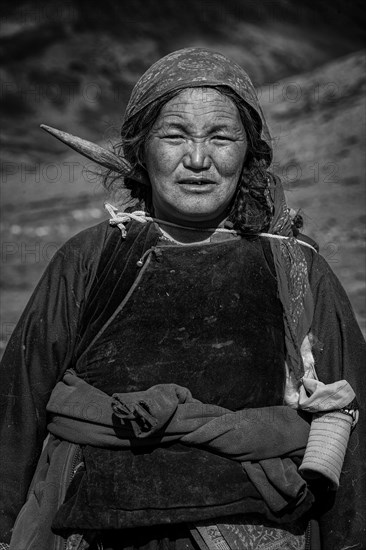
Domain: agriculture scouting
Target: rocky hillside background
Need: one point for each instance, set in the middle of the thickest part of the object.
(73, 67)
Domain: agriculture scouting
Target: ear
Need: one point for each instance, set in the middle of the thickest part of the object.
(140, 174)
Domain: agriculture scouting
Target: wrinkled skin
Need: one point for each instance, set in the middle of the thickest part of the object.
(194, 156)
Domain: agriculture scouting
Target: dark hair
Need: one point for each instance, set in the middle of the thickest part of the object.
(251, 209)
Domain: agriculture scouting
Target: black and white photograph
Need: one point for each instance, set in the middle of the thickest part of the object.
(183, 275)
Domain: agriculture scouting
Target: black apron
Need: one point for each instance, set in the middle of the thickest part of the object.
(207, 317)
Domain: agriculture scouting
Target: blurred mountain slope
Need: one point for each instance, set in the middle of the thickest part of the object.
(74, 64)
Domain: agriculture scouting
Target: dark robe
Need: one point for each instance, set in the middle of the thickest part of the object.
(200, 317)
(62, 319)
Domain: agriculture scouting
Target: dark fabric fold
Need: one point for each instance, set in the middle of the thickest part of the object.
(254, 433)
(117, 270)
(83, 414)
(278, 482)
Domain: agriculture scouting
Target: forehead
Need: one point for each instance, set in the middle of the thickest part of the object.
(200, 102)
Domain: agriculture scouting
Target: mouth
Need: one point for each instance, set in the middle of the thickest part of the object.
(196, 181)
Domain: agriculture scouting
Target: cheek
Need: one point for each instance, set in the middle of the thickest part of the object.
(160, 159)
(229, 162)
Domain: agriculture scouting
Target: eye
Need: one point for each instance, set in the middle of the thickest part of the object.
(220, 137)
(174, 136)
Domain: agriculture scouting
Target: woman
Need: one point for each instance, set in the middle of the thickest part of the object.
(200, 294)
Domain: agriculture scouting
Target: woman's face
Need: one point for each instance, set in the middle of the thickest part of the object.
(194, 156)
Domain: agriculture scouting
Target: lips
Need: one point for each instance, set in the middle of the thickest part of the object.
(196, 181)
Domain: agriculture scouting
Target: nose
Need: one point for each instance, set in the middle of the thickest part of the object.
(197, 157)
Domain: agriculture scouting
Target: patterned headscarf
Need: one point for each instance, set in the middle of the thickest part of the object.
(200, 67)
(192, 68)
